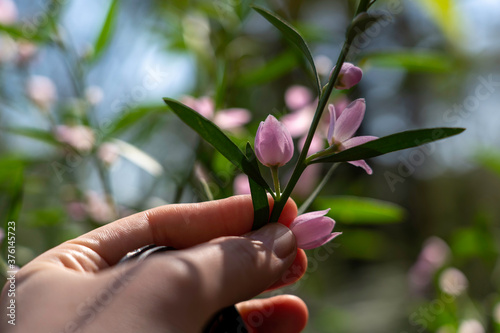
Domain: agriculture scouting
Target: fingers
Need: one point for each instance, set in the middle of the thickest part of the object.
(222, 272)
(294, 272)
(179, 226)
(279, 314)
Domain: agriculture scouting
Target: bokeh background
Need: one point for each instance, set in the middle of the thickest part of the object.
(85, 138)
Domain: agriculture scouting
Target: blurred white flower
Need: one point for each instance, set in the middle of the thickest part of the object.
(453, 282)
(470, 326)
(80, 137)
(108, 153)
(323, 64)
(42, 91)
(94, 95)
(8, 49)
(8, 12)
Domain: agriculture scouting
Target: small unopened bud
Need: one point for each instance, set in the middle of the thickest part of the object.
(349, 76)
(273, 143)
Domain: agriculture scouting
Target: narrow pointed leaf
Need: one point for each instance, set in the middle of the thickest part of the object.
(214, 136)
(293, 36)
(106, 30)
(390, 143)
(35, 134)
(259, 195)
(358, 210)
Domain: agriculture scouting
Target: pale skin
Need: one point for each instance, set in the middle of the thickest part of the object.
(77, 287)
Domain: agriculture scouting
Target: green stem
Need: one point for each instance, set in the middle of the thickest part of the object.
(277, 189)
(327, 90)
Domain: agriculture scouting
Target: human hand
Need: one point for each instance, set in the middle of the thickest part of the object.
(76, 287)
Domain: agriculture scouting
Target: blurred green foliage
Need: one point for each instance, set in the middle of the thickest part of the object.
(417, 68)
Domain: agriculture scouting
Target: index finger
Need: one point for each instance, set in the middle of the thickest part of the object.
(177, 225)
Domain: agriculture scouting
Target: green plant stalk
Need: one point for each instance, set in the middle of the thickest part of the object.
(276, 180)
(301, 163)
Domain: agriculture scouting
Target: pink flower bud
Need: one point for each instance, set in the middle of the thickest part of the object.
(313, 229)
(273, 143)
(80, 137)
(349, 76)
(42, 91)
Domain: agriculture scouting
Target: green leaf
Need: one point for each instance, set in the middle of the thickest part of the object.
(271, 70)
(293, 36)
(358, 210)
(489, 159)
(34, 133)
(124, 122)
(32, 34)
(106, 30)
(214, 136)
(259, 195)
(411, 60)
(390, 143)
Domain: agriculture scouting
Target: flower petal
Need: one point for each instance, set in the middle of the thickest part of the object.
(232, 118)
(333, 119)
(362, 164)
(349, 121)
(319, 242)
(308, 216)
(357, 140)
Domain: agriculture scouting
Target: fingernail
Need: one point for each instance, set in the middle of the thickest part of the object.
(277, 238)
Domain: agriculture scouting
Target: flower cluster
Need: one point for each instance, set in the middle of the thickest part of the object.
(274, 146)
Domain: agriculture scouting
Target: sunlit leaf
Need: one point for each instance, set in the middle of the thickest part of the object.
(214, 136)
(259, 195)
(363, 244)
(358, 210)
(410, 60)
(444, 14)
(390, 143)
(139, 157)
(293, 36)
(106, 31)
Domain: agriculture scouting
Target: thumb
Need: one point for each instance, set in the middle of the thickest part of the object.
(229, 270)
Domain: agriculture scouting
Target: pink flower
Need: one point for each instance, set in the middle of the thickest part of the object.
(297, 97)
(80, 137)
(8, 12)
(273, 143)
(313, 229)
(241, 185)
(349, 76)
(343, 126)
(227, 119)
(42, 91)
